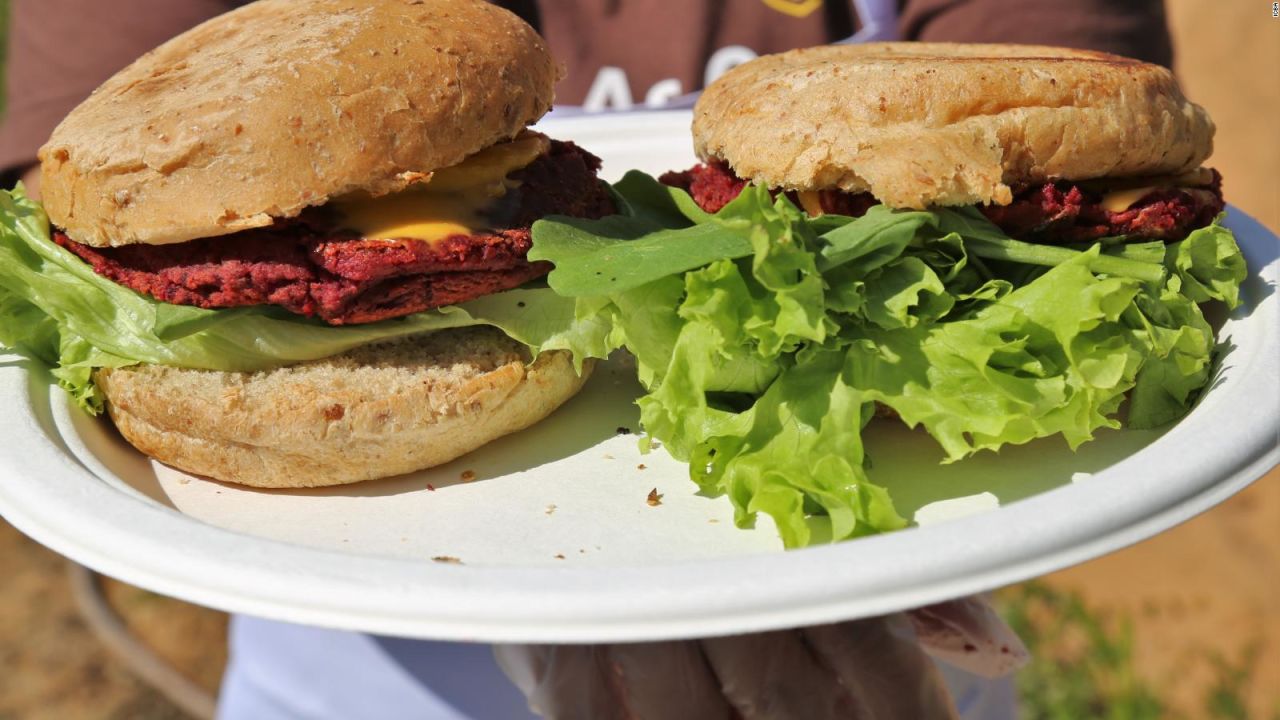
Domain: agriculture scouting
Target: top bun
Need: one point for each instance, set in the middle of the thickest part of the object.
(282, 104)
(919, 124)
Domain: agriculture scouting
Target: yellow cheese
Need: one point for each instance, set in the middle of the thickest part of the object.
(415, 213)
(810, 201)
(489, 168)
(452, 202)
(1121, 200)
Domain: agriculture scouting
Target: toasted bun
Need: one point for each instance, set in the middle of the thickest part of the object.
(376, 411)
(918, 124)
(282, 104)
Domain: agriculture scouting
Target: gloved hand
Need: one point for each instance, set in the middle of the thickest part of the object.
(873, 668)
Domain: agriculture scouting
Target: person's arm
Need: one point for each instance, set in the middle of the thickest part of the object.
(1134, 28)
(60, 50)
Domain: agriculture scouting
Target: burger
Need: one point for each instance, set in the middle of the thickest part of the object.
(993, 243)
(1052, 145)
(289, 246)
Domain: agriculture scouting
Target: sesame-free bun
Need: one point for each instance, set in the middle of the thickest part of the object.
(282, 104)
(919, 124)
(379, 410)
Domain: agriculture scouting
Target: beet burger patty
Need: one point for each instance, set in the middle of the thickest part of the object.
(1161, 208)
(362, 260)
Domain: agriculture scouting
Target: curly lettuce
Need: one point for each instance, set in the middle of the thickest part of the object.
(766, 338)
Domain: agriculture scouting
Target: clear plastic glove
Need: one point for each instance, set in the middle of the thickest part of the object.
(968, 634)
(874, 668)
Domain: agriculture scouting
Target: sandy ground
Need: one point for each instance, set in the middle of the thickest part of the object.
(52, 668)
(1211, 586)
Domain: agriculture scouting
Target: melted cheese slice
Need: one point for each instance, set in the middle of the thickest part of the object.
(810, 202)
(452, 202)
(1123, 198)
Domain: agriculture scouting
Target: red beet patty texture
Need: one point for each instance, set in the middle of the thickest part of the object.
(312, 267)
(1061, 212)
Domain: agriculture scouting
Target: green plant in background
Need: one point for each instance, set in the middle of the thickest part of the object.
(1231, 682)
(1083, 667)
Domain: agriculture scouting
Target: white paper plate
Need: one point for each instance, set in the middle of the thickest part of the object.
(556, 539)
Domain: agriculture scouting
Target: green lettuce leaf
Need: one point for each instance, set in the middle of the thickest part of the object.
(54, 308)
(766, 338)
(1051, 357)
(1208, 265)
(660, 232)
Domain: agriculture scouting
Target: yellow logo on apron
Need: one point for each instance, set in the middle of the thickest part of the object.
(795, 8)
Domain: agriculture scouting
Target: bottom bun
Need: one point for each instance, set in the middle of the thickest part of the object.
(379, 410)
